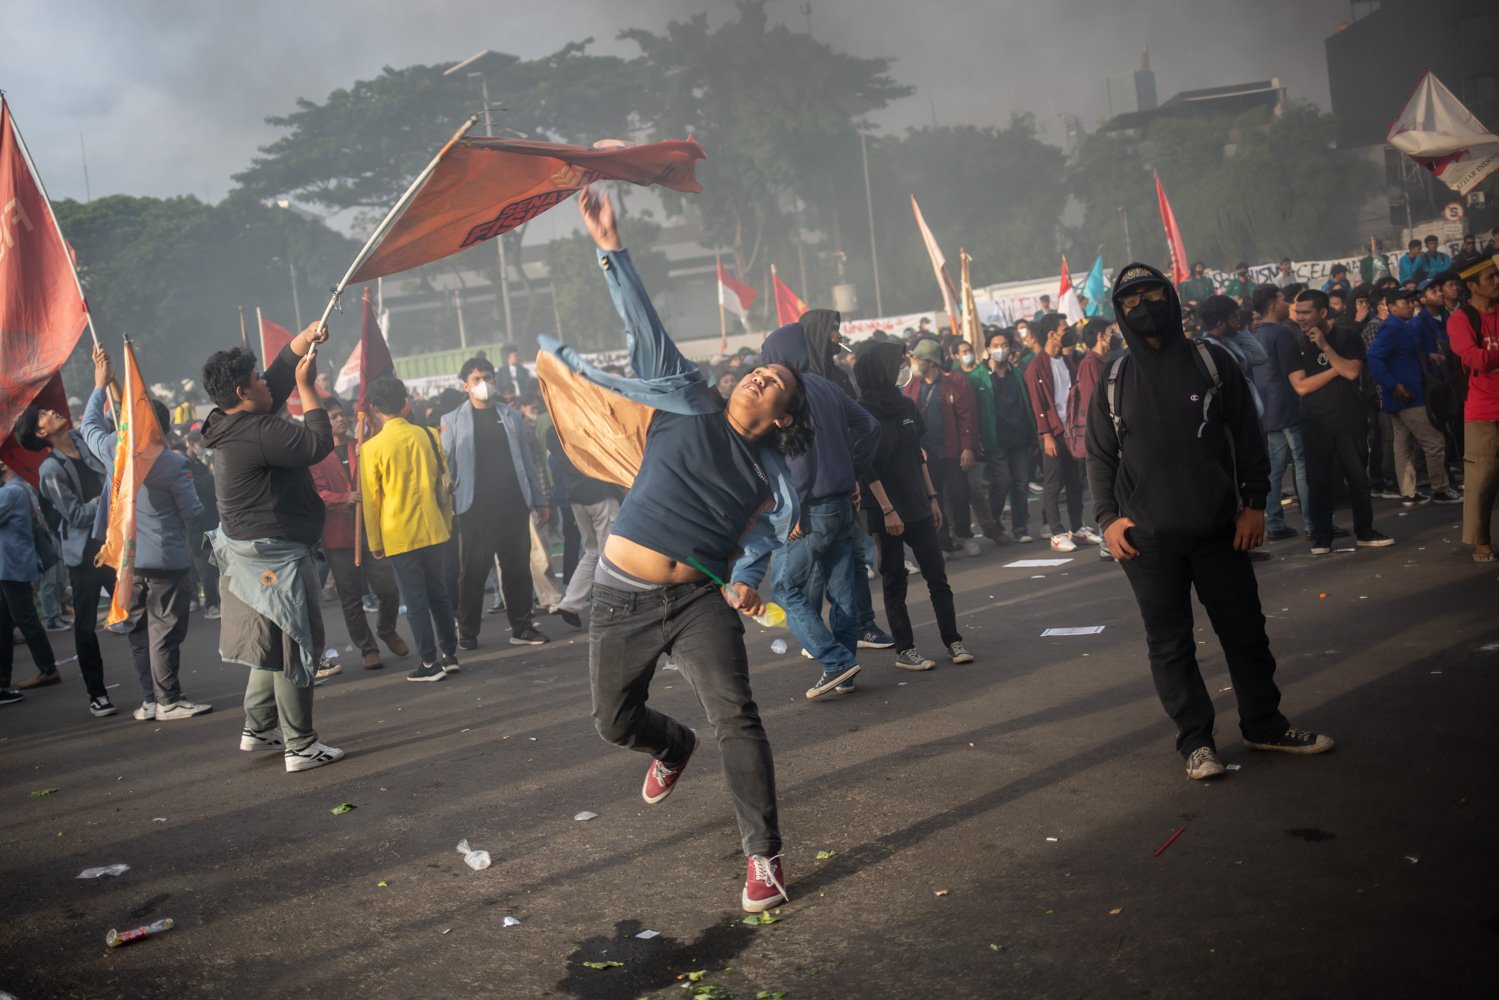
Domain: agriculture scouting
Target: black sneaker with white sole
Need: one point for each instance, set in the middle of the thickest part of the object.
(959, 653)
(830, 680)
(1446, 495)
(9, 696)
(528, 636)
(1204, 763)
(101, 706)
(450, 663)
(1373, 540)
(428, 672)
(1297, 741)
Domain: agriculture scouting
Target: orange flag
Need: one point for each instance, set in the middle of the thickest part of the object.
(480, 187)
(1180, 269)
(273, 337)
(138, 443)
(42, 313)
(789, 306)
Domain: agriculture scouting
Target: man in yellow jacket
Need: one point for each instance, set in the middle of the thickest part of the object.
(408, 515)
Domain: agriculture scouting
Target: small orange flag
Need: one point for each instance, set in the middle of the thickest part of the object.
(138, 442)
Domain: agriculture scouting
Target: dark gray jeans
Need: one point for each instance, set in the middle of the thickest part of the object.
(627, 634)
(158, 624)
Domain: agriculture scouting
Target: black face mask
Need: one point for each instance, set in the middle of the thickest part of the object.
(1150, 319)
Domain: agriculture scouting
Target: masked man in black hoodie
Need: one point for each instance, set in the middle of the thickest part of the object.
(1178, 470)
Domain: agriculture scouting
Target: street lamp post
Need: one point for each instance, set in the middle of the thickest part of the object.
(499, 241)
(874, 250)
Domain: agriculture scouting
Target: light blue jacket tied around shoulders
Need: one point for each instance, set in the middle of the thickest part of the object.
(666, 380)
(270, 576)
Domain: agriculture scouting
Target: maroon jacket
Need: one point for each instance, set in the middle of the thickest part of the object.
(1043, 396)
(334, 487)
(959, 421)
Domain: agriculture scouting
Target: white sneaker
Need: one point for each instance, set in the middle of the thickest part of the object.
(1087, 535)
(1063, 543)
(315, 755)
(181, 710)
(212, 614)
(269, 739)
(145, 713)
(972, 547)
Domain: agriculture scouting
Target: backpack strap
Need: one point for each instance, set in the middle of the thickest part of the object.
(1208, 366)
(1111, 396)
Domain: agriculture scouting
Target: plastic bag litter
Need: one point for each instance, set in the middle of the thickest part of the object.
(585, 815)
(778, 647)
(511, 922)
(105, 870)
(477, 860)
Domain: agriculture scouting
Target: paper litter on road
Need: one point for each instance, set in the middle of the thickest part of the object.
(585, 816)
(105, 870)
(158, 819)
(647, 935)
(1039, 576)
(1084, 630)
(511, 922)
(1233, 767)
(1052, 839)
(1034, 563)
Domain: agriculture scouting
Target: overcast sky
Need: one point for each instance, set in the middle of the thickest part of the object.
(170, 96)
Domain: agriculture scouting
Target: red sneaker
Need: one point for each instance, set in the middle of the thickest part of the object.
(764, 884)
(661, 777)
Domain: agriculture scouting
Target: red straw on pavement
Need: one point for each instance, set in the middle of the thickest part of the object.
(1178, 833)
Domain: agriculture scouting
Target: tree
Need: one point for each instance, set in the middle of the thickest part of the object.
(171, 272)
(768, 105)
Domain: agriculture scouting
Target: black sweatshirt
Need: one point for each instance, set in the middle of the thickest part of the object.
(263, 480)
(1175, 484)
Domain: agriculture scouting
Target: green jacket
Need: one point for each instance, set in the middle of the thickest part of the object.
(982, 379)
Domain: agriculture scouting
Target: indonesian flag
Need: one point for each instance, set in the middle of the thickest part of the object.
(348, 375)
(1180, 270)
(42, 312)
(735, 296)
(1068, 304)
(789, 306)
(273, 337)
(373, 354)
(138, 443)
(939, 265)
(1436, 131)
(480, 187)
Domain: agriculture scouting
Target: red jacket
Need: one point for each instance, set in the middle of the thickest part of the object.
(1043, 395)
(334, 487)
(959, 421)
(1479, 352)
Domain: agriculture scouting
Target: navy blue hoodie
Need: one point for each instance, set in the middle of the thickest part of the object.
(846, 435)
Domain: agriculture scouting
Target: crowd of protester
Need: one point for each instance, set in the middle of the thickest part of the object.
(902, 452)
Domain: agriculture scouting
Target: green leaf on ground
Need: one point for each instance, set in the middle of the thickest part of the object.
(824, 855)
(382, 885)
(760, 920)
(693, 977)
(346, 807)
(771, 995)
(604, 965)
(44, 791)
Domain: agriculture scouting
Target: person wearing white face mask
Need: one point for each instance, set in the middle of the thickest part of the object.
(496, 487)
(1006, 435)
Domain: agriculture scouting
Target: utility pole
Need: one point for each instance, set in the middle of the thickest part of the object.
(874, 250)
(1124, 221)
(296, 304)
(499, 241)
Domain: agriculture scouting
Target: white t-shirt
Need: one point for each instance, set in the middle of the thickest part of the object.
(1061, 384)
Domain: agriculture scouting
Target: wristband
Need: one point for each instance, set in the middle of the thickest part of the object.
(887, 513)
(931, 496)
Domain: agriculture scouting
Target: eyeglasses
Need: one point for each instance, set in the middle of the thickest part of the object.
(1154, 293)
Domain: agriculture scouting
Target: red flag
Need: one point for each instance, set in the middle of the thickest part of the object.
(1180, 270)
(273, 337)
(374, 355)
(138, 443)
(42, 312)
(480, 187)
(735, 296)
(789, 307)
(1068, 304)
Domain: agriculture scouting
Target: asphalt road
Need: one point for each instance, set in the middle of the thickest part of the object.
(990, 830)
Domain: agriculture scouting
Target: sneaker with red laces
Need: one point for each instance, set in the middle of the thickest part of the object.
(661, 776)
(764, 884)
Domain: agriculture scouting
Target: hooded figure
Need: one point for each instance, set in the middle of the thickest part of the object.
(1167, 480)
(1172, 473)
(820, 325)
(846, 434)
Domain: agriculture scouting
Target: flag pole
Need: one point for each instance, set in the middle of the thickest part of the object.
(723, 323)
(359, 431)
(67, 248)
(243, 337)
(390, 219)
(260, 335)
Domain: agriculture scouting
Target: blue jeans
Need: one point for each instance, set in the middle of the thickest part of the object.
(827, 545)
(420, 574)
(1285, 446)
(864, 557)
